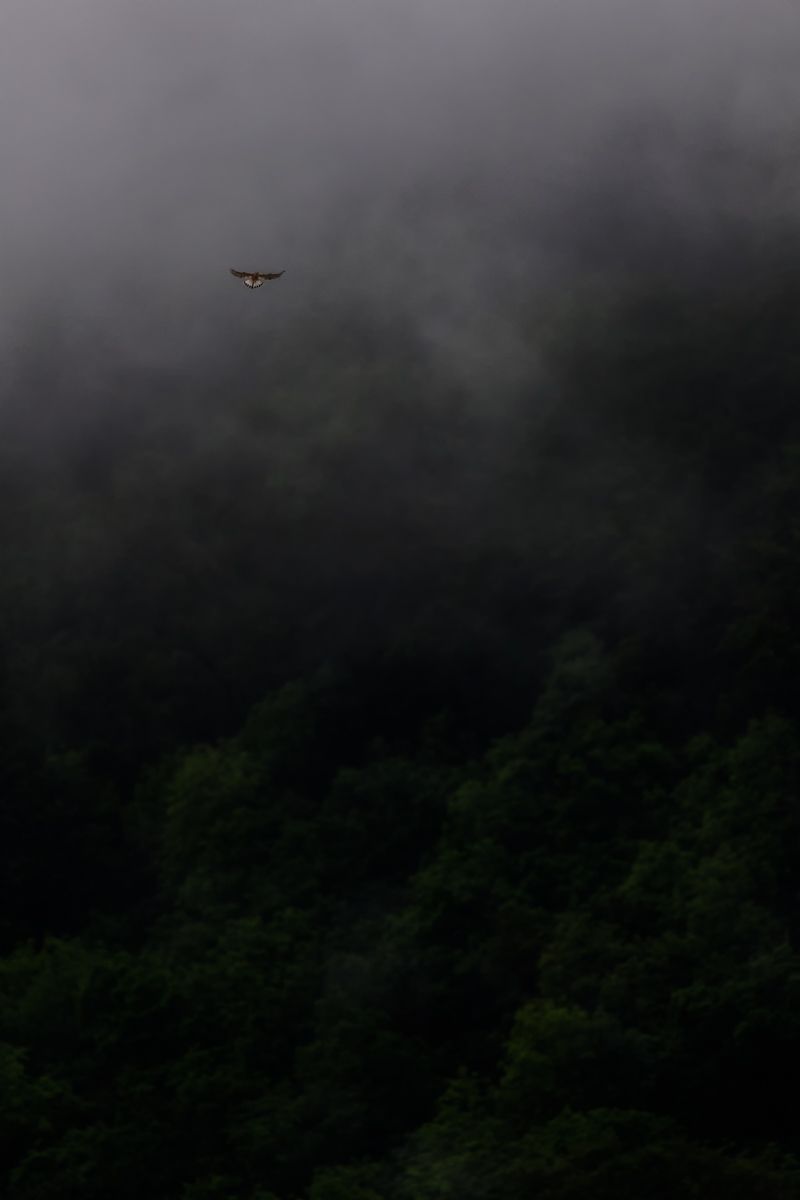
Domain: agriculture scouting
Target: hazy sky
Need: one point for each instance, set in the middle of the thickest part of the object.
(465, 164)
(148, 145)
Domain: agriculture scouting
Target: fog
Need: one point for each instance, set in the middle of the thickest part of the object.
(202, 482)
(425, 154)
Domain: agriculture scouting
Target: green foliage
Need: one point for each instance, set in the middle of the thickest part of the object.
(559, 1057)
(346, 1183)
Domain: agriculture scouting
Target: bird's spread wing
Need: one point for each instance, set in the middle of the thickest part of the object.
(274, 275)
(238, 274)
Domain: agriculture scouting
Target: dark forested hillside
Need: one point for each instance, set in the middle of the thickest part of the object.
(399, 775)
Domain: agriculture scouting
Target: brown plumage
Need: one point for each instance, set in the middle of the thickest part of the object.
(254, 279)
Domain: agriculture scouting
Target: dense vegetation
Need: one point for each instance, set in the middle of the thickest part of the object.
(400, 785)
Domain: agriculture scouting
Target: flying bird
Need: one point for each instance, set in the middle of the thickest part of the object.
(254, 279)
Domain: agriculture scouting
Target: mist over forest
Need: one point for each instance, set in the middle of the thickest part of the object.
(398, 663)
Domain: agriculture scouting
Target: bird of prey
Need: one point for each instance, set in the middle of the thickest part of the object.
(254, 279)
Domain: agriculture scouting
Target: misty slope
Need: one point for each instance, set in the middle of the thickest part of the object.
(399, 777)
(398, 666)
